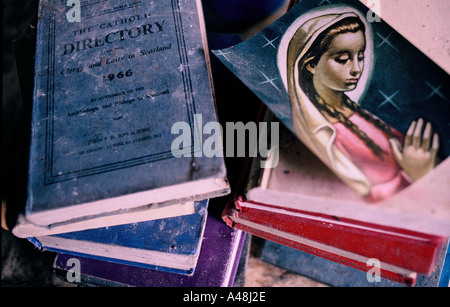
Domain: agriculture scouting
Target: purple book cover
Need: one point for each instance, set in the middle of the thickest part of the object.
(216, 267)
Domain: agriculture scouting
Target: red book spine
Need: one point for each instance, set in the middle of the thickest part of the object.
(413, 251)
(394, 276)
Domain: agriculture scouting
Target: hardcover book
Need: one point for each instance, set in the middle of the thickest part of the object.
(112, 78)
(293, 204)
(217, 264)
(338, 275)
(362, 98)
(320, 187)
(346, 258)
(171, 244)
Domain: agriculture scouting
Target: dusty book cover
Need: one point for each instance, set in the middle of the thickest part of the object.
(361, 97)
(170, 245)
(111, 80)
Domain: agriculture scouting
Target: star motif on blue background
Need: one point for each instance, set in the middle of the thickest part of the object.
(270, 81)
(435, 90)
(385, 40)
(224, 54)
(388, 99)
(269, 42)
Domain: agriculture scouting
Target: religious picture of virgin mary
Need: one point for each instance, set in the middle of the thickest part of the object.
(325, 60)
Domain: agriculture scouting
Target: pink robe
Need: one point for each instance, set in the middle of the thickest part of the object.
(385, 174)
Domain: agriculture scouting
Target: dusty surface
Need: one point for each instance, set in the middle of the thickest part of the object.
(262, 274)
(25, 266)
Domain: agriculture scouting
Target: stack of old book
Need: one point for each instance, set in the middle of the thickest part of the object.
(117, 181)
(120, 184)
(338, 184)
(275, 205)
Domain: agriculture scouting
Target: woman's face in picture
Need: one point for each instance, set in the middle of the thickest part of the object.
(341, 66)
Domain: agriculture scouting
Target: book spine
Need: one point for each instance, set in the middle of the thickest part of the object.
(417, 253)
(409, 279)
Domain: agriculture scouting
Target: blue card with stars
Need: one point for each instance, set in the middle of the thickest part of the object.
(355, 91)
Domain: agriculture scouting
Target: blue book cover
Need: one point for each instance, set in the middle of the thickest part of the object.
(217, 265)
(114, 82)
(171, 245)
(366, 101)
(339, 275)
(445, 275)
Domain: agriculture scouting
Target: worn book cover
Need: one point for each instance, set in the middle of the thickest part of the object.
(419, 251)
(368, 103)
(217, 264)
(112, 78)
(338, 275)
(345, 258)
(171, 245)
